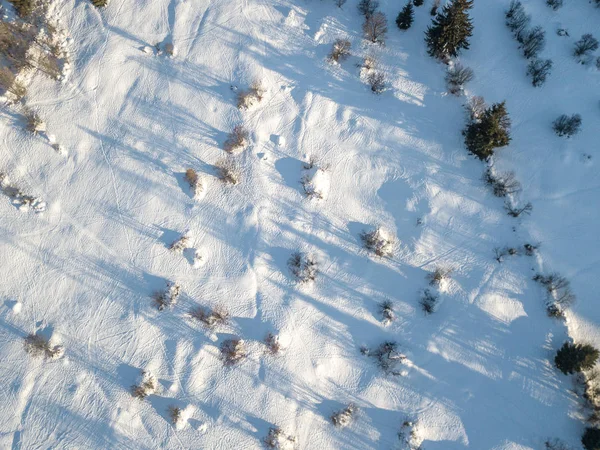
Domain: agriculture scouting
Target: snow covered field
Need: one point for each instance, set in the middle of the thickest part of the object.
(479, 371)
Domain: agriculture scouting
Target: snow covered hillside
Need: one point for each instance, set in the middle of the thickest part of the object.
(254, 292)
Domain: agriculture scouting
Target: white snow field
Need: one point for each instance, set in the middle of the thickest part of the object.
(479, 371)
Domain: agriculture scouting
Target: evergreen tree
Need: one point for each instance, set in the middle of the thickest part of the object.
(491, 131)
(450, 30)
(418, 2)
(405, 17)
(575, 357)
(591, 439)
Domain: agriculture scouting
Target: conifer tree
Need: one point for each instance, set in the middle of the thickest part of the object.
(491, 131)
(575, 357)
(405, 17)
(450, 30)
(418, 2)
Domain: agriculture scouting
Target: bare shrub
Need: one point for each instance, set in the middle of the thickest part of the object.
(554, 4)
(409, 436)
(377, 82)
(428, 301)
(147, 385)
(233, 351)
(237, 139)
(211, 318)
(10, 84)
(369, 63)
(457, 76)
(440, 274)
(388, 357)
(387, 312)
(340, 50)
(567, 125)
(368, 7)
(584, 46)
(277, 439)
(272, 343)
(475, 108)
(39, 346)
(378, 241)
(339, 3)
(530, 249)
(556, 444)
(228, 171)
(18, 198)
(538, 70)
(502, 184)
(516, 211)
(167, 298)
(251, 96)
(315, 181)
(33, 122)
(195, 182)
(179, 245)
(558, 289)
(375, 28)
(176, 415)
(303, 267)
(344, 417)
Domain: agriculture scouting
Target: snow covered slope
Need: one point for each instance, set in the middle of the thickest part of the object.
(478, 373)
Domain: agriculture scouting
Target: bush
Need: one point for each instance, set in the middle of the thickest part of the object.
(405, 17)
(303, 267)
(277, 439)
(368, 7)
(233, 351)
(388, 357)
(409, 436)
(211, 318)
(24, 8)
(176, 415)
(33, 122)
(168, 297)
(418, 2)
(250, 97)
(315, 181)
(490, 132)
(591, 437)
(516, 211)
(558, 289)
(339, 3)
(502, 252)
(556, 444)
(475, 108)
(440, 274)
(179, 245)
(571, 358)
(533, 42)
(387, 312)
(538, 70)
(377, 82)
(272, 343)
(554, 4)
(502, 184)
(584, 46)
(147, 385)
(344, 417)
(375, 28)
(378, 241)
(517, 20)
(237, 139)
(428, 301)
(38, 346)
(457, 76)
(340, 50)
(100, 3)
(228, 171)
(9, 83)
(567, 125)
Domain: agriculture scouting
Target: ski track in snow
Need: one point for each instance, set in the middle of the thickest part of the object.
(480, 373)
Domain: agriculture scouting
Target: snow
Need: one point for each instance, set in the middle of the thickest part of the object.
(133, 121)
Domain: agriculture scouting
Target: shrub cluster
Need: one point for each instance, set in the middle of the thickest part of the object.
(303, 266)
(344, 417)
(378, 241)
(168, 297)
(559, 293)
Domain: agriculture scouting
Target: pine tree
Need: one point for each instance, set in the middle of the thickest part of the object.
(482, 137)
(591, 439)
(450, 30)
(405, 17)
(575, 357)
(418, 2)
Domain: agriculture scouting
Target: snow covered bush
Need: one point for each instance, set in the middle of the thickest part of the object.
(34, 123)
(303, 267)
(405, 17)
(388, 357)
(489, 132)
(375, 28)
(18, 198)
(344, 417)
(237, 139)
(438, 276)
(195, 183)
(340, 50)
(179, 245)
(378, 241)
(368, 7)
(168, 297)
(457, 76)
(475, 108)
(567, 125)
(532, 42)
(428, 301)
(315, 181)
(250, 97)
(146, 385)
(409, 436)
(38, 346)
(272, 343)
(228, 171)
(502, 184)
(554, 4)
(558, 290)
(387, 312)
(538, 70)
(584, 46)
(591, 438)
(176, 416)
(211, 318)
(278, 440)
(233, 351)
(10, 84)
(450, 30)
(377, 82)
(571, 358)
